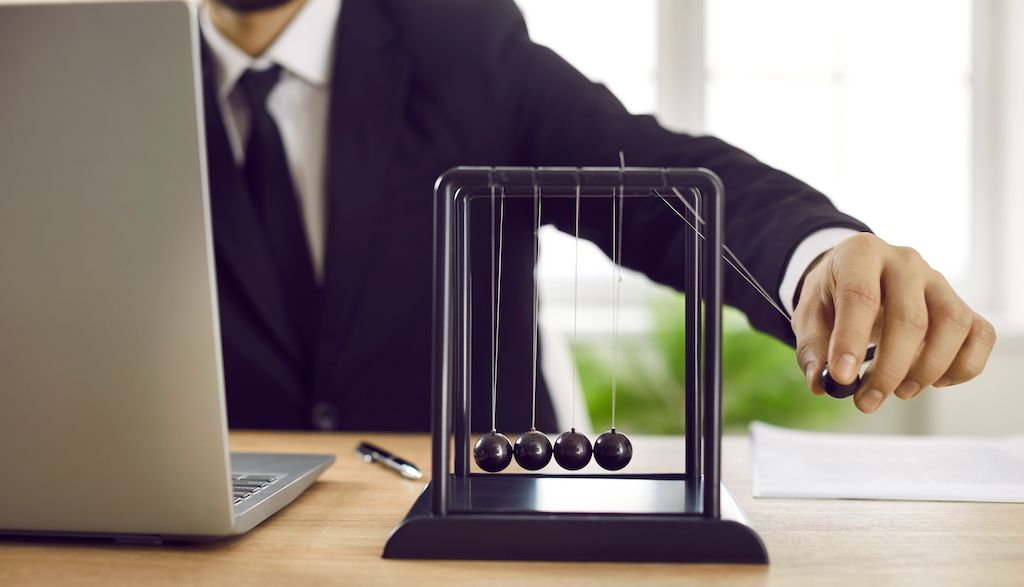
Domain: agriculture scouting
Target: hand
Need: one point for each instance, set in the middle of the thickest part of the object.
(866, 290)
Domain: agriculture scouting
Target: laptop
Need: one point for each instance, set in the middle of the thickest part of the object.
(112, 412)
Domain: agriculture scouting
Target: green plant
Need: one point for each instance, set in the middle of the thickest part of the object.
(760, 378)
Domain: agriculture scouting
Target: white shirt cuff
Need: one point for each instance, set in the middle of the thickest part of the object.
(806, 252)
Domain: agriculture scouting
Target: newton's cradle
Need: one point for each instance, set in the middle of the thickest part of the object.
(681, 517)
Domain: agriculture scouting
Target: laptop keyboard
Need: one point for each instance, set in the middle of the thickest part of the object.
(245, 486)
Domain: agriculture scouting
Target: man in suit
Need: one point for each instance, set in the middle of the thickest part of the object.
(328, 122)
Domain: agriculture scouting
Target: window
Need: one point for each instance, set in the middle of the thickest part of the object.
(590, 34)
(860, 100)
(873, 110)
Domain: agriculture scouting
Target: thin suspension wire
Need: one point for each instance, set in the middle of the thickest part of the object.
(616, 289)
(728, 256)
(618, 284)
(536, 299)
(617, 208)
(494, 342)
(496, 303)
(735, 262)
(575, 308)
(725, 247)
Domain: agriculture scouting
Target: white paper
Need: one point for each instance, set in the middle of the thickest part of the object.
(793, 463)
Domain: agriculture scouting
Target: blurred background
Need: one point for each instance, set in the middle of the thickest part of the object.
(904, 112)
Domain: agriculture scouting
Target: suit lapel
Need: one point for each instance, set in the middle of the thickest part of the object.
(237, 234)
(369, 88)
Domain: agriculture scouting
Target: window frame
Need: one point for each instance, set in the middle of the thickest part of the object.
(997, 63)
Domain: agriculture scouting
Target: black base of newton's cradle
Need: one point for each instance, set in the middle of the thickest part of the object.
(635, 518)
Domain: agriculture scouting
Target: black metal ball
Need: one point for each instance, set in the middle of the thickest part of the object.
(492, 452)
(836, 389)
(613, 450)
(532, 450)
(572, 450)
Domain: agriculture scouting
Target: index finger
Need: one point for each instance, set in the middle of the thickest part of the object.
(857, 298)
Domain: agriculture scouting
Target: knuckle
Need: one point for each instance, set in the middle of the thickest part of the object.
(956, 316)
(929, 369)
(860, 243)
(967, 370)
(858, 294)
(972, 369)
(939, 279)
(985, 331)
(909, 255)
(913, 322)
(866, 239)
(886, 376)
(807, 350)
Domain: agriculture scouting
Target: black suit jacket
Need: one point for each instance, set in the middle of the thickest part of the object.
(420, 86)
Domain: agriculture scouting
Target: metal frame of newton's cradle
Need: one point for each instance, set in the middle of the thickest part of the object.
(678, 517)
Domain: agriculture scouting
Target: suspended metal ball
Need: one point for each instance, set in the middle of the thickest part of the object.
(532, 450)
(492, 452)
(572, 450)
(612, 450)
(836, 389)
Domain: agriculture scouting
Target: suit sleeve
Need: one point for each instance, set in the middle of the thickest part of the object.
(561, 118)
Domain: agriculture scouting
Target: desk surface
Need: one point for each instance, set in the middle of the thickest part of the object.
(335, 533)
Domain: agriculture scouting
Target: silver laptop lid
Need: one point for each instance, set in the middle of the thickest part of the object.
(112, 415)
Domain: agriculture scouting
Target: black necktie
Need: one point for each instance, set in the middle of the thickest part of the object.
(270, 185)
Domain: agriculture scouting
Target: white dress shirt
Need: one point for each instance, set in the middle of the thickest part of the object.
(298, 103)
(299, 106)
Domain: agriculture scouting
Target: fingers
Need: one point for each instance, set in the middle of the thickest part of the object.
(970, 360)
(949, 323)
(927, 335)
(857, 297)
(905, 325)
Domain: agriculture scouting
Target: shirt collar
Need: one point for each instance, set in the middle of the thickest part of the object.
(304, 48)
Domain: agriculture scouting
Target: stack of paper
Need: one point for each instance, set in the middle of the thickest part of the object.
(792, 463)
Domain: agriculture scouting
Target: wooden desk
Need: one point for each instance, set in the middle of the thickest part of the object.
(335, 532)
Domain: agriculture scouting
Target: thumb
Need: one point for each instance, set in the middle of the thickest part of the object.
(812, 330)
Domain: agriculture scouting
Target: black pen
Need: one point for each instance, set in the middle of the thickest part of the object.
(371, 453)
